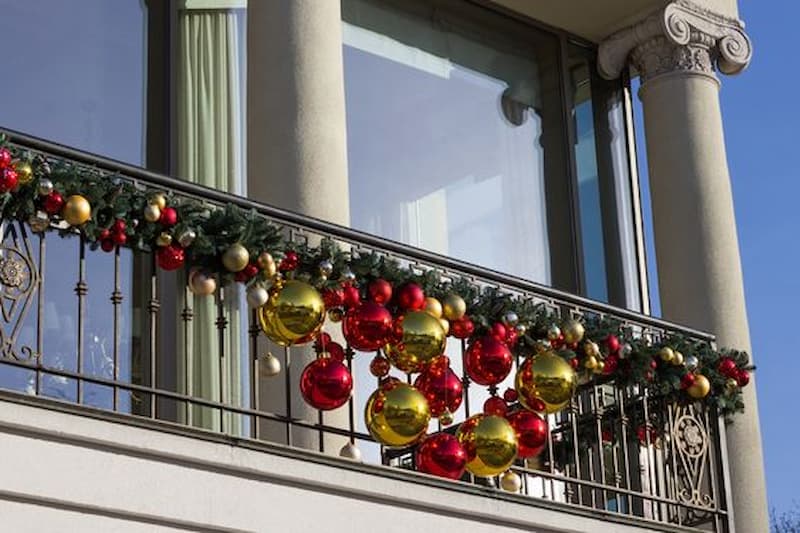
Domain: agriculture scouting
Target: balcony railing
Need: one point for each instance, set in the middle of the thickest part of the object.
(112, 331)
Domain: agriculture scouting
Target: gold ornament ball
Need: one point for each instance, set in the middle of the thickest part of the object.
(422, 339)
(731, 385)
(591, 362)
(591, 349)
(454, 307)
(267, 263)
(545, 379)
(269, 366)
(24, 172)
(573, 331)
(235, 258)
(445, 325)
(336, 314)
(201, 284)
(152, 213)
(510, 481)
(601, 366)
(158, 200)
(76, 210)
(677, 358)
(666, 354)
(446, 418)
(294, 313)
(164, 239)
(700, 388)
(490, 442)
(433, 306)
(397, 414)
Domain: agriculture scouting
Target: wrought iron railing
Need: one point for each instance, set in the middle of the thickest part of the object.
(110, 331)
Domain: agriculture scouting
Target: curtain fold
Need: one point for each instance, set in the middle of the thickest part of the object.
(209, 148)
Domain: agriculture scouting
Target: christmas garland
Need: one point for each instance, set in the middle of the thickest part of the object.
(228, 244)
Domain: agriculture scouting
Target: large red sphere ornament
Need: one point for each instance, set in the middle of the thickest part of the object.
(380, 291)
(442, 455)
(441, 387)
(488, 361)
(326, 384)
(411, 297)
(170, 257)
(531, 432)
(367, 327)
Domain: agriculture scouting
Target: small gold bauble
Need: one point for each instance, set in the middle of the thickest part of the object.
(294, 313)
(397, 414)
(421, 338)
(152, 213)
(24, 172)
(545, 382)
(200, 283)
(600, 367)
(76, 210)
(163, 239)
(453, 307)
(235, 258)
(490, 443)
(553, 332)
(445, 325)
(336, 314)
(591, 362)
(731, 385)
(433, 306)
(446, 418)
(573, 331)
(591, 349)
(510, 481)
(677, 358)
(269, 366)
(158, 200)
(700, 388)
(666, 354)
(264, 260)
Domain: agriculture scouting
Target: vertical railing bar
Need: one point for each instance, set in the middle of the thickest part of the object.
(288, 383)
(254, 389)
(321, 432)
(116, 301)
(572, 416)
(187, 315)
(713, 459)
(626, 459)
(351, 414)
(222, 322)
(40, 314)
(599, 412)
(650, 455)
(673, 458)
(153, 308)
(81, 288)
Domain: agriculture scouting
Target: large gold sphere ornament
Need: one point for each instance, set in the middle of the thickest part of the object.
(700, 388)
(235, 258)
(573, 331)
(24, 172)
(454, 307)
(418, 338)
(545, 382)
(76, 210)
(397, 414)
(490, 443)
(293, 314)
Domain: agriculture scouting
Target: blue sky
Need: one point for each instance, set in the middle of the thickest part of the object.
(761, 113)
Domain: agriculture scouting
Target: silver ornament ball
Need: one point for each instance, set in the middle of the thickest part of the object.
(510, 318)
(187, 237)
(45, 187)
(325, 268)
(691, 362)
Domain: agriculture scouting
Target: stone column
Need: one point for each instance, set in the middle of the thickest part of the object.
(297, 151)
(676, 52)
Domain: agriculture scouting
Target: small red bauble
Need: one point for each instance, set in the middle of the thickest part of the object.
(169, 217)
(511, 337)
(120, 225)
(727, 367)
(488, 361)
(742, 377)
(53, 203)
(498, 331)
(653, 364)
(380, 291)
(8, 180)
(495, 405)
(104, 234)
(462, 328)
(326, 384)
(107, 245)
(531, 430)
(441, 455)
(170, 257)
(379, 366)
(290, 261)
(441, 387)
(119, 238)
(367, 327)
(333, 298)
(5, 158)
(612, 342)
(336, 351)
(611, 364)
(351, 296)
(510, 395)
(410, 297)
(250, 270)
(322, 341)
(574, 362)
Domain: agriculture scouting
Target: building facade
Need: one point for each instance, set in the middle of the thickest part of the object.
(491, 139)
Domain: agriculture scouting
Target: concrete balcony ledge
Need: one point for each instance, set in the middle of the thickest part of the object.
(69, 468)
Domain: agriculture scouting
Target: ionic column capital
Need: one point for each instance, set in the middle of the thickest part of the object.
(679, 38)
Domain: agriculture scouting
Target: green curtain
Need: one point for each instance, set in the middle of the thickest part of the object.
(210, 149)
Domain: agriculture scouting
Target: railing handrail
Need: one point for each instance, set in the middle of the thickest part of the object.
(343, 232)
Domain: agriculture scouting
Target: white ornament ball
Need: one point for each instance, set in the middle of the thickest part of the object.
(269, 366)
(201, 284)
(350, 451)
(511, 482)
(257, 296)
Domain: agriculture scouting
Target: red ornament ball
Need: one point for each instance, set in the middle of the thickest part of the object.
(351, 297)
(488, 361)
(119, 226)
(169, 217)
(322, 341)
(247, 273)
(574, 362)
(8, 180)
(441, 387)
(462, 328)
(611, 364)
(104, 234)
(289, 262)
(53, 203)
(410, 297)
(531, 430)
(119, 238)
(326, 384)
(170, 257)
(442, 455)
(380, 291)
(498, 331)
(336, 351)
(5, 158)
(368, 326)
(495, 405)
(107, 245)
(379, 366)
(511, 337)
(742, 377)
(333, 298)
(727, 367)
(510, 395)
(612, 342)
